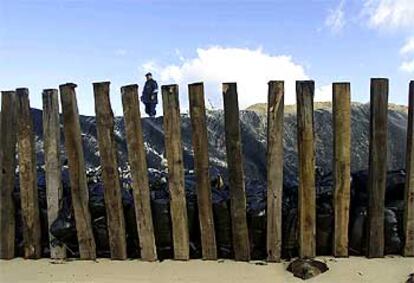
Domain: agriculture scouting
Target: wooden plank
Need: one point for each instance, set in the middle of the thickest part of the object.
(139, 171)
(341, 165)
(235, 171)
(409, 182)
(27, 173)
(51, 140)
(274, 169)
(201, 166)
(306, 151)
(8, 167)
(173, 147)
(76, 162)
(109, 162)
(377, 166)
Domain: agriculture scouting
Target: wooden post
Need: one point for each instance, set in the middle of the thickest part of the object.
(76, 161)
(139, 171)
(409, 183)
(110, 175)
(341, 113)
(51, 140)
(27, 172)
(8, 167)
(275, 109)
(377, 166)
(201, 166)
(306, 150)
(173, 147)
(241, 244)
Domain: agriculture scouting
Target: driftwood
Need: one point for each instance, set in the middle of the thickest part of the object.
(7, 166)
(377, 166)
(76, 161)
(139, 171)
(51, 137)
(275, 107)
(306, 151)
(342, 165)
(173, 147)
(27, 174)
(200, 146)
(241, 244)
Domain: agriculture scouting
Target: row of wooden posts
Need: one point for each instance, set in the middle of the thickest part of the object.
(17, 127)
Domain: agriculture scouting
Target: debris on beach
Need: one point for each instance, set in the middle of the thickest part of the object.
(307, 268)
(64, 228)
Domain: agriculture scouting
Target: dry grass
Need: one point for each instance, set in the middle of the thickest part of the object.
(261, 108)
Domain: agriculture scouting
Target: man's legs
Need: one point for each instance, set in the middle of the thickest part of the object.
(147, 109)
(150, 109)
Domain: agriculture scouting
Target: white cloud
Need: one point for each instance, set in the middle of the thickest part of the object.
(336, 18)
(323, 93)
(408, 46)
(406, 51)
(251, 69)
(407, 66)
(393, 15)
(389, 14)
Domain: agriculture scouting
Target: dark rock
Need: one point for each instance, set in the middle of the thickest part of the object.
(410, 278)
(307, 268)
(253, 129)
(253, 132)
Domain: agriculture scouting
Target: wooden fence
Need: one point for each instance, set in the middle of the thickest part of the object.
(17, 128)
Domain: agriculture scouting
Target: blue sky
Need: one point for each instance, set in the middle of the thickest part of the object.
(44, 43)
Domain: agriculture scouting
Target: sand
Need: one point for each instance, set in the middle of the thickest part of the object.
(354, 269)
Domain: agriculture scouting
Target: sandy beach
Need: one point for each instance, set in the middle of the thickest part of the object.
(354, 269)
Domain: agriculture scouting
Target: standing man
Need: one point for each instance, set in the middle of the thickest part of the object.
(149, 95)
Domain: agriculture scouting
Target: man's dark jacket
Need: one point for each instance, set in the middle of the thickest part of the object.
(150, 92)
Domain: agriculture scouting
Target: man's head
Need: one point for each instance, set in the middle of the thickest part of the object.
(148, 76)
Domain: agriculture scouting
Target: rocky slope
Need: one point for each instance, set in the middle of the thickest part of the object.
(253, 125)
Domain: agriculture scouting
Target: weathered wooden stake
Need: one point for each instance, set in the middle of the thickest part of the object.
(377, 166)
(27, 172)
(241, 244)
(341, 165)
(139, 171)
(110, 175)
(8, 167)
(172, 129)
(76, 161)
(201, 166)
(306, 150)
(409, 183)
(51, 140)
(275, 107)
